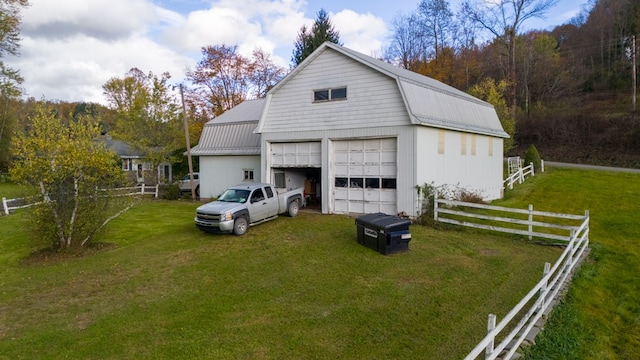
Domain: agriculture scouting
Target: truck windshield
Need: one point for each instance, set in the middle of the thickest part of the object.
(233, 195)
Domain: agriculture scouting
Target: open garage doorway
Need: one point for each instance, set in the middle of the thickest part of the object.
(307, 178)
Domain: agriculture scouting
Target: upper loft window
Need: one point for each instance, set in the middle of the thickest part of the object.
(330, 94)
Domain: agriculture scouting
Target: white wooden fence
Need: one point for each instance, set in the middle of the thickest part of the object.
(504, 338)
(519, 173)
(9, 205)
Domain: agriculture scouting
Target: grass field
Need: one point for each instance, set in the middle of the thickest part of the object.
(303, 288)
(299, 288)
(600, 318)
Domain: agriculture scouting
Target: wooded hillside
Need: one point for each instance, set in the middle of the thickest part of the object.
(570, 89)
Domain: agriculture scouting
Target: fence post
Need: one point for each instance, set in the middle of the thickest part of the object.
(157, 190)
(543, 289)
(142, 189)
(5, 206)
(532, 169)
(541, 165)
(520, 175)
(435, 204)
(491, 324)
(530, 221)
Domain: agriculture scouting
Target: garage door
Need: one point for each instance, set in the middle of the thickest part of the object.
(365, 176)
(292, 155)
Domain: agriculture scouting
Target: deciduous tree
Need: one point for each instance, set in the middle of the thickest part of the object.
(148, 114)
(494, 93)
(503, 19)
(69, 166)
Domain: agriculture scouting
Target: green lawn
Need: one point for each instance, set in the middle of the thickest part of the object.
(600, 318)
(289, 289)
(303, 288)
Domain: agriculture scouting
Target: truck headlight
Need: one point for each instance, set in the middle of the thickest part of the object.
(227, 216)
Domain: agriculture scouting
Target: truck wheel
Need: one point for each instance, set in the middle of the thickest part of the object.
(293, 208)
(240, 226)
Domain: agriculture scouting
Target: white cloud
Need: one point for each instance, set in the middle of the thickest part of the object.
(106, 19)
(70, 48)
(360, 32)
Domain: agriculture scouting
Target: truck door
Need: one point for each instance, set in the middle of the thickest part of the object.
(262, 207)
(272, 201)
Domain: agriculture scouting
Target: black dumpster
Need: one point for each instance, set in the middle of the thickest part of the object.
(387, 234)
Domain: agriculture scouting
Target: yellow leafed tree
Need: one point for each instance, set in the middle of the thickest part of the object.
(70, 168)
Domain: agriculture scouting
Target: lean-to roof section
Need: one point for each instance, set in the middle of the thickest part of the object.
(232, 133)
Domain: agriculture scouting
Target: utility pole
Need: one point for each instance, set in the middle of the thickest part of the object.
(634, 80)
(186, 136)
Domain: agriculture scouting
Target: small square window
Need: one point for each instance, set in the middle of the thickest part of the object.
(248, 175)
(321, 95)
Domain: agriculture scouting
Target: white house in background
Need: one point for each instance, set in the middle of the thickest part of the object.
(363, 133)
(136, 166)
(229, 150)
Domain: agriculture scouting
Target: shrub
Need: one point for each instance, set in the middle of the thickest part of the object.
(170, 192)
(532, 156)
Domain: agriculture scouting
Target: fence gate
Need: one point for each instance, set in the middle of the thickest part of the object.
(514, 164)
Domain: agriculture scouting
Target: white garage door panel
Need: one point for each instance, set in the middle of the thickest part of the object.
(361, 160)
(303, 154)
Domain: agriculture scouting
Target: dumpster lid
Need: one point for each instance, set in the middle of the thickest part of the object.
(383, 221)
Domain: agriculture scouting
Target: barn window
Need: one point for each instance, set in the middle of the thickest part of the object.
(372, 183)
(388, 183)
(473, 144)
(463, 144)
(341, 182)
(279, 180)
(247, 175)
(356, 183)
(329, 94)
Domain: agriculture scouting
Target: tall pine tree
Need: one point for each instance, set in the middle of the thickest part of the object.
(308, 40)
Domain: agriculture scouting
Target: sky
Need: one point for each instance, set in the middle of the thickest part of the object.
(70, 48)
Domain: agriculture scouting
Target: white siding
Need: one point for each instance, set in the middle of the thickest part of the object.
(217, 173)
(481, 173)
(373, 99)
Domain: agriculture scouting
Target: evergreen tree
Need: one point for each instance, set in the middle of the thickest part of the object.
(308, 40)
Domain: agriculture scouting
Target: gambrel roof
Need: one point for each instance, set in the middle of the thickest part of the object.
(428, 101)
(232, 133)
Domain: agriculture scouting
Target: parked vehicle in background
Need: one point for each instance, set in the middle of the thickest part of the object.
(184, 184)
(246, 205)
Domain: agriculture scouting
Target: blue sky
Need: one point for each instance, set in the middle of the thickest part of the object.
(70, 48)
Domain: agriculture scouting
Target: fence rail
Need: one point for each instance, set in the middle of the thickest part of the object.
(9, 205)
(540, 299)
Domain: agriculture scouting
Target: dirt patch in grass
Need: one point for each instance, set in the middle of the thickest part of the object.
(50, 256)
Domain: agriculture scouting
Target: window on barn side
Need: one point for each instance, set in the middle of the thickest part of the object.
(440, 141)
(330, 94)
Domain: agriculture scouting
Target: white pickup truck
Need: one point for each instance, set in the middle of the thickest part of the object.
(246, 205)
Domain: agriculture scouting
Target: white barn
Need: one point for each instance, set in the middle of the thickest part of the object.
(358, 134)
(361, 134)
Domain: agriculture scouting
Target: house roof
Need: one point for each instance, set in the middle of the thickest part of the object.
(429, 102)
(121, 148)
(232, 132)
